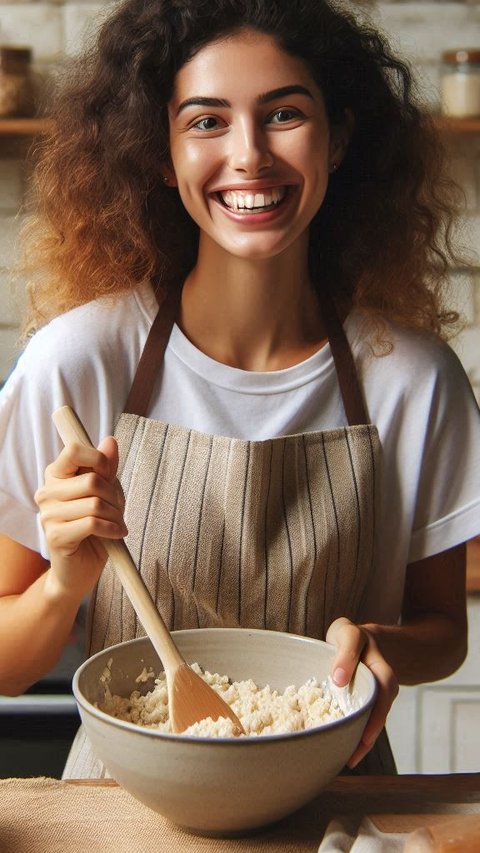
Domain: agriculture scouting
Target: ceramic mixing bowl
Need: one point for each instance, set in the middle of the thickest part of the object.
(222, 786)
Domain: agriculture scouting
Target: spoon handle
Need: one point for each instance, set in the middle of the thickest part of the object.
(70, 429)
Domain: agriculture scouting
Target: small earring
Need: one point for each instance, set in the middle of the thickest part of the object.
(165, 179)
(334, 167)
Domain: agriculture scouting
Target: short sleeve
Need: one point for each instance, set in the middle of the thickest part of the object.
(28, 445)
(85, 358)
(447, 510)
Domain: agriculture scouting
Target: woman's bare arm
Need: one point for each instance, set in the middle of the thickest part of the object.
(429, 644)
(431, 641)
(34, 623)
(80, 503)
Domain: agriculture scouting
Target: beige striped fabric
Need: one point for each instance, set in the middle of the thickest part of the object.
(273, 534)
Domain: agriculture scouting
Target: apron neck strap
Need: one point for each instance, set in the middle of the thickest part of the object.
(153, 352)
(347, 376)
(152, 356)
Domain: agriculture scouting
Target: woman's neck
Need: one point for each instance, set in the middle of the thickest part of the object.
(250, 314)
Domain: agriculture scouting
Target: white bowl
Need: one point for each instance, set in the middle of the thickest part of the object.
(222, 786)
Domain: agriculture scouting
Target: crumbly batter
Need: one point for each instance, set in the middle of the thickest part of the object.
(261, 710)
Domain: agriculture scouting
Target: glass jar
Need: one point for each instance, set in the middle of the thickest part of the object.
(16, 91)
(460, 87)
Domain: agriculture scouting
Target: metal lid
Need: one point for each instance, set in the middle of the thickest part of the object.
(462, 55)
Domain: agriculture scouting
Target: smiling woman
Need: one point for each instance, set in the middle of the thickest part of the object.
(245, 135)
(238, 206)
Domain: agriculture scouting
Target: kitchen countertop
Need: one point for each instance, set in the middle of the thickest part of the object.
(97, 815)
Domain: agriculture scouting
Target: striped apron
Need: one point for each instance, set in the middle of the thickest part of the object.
(275, 534)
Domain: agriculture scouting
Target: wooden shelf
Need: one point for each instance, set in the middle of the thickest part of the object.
(473, 565)
(23, 126)
(458, 125)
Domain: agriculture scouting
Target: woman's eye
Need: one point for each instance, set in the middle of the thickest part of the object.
(208, 123)
(283, 116)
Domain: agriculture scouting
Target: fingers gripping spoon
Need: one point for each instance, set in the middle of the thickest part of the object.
(190, 698)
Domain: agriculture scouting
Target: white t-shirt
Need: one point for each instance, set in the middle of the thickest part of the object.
(418, 396)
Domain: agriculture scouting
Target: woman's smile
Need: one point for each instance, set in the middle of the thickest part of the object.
(254, 207)
(250, 145)
(253, 201)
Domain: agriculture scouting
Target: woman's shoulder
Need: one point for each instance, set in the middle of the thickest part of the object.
(85, 357)
(394, 348)
(410, 375)
(101, 333)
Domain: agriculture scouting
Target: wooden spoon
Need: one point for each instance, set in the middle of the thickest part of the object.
(190, 698)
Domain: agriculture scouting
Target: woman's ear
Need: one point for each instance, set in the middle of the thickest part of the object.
(339, 140)
(168, 174)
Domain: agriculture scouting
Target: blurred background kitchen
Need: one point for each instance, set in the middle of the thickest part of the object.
(433, 728)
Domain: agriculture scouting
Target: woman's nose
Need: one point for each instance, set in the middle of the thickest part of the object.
(250, 150)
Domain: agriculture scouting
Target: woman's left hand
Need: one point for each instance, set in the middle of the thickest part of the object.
(355, 643)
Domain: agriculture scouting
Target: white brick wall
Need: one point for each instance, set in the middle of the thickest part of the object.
(37, 24)
(9, 230)
(11, 301)
(11, 186)
(80, 22)
(9, 349)
(420, 31)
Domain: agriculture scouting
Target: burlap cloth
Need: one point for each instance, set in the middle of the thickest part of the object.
(45, 815)
(50, 816)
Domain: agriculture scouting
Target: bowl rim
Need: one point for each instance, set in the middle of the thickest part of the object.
(203, 740)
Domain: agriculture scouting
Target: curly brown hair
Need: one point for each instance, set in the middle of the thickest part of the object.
(105, 221)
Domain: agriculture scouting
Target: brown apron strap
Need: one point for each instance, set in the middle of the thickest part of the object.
(345, 366)
(152, 357)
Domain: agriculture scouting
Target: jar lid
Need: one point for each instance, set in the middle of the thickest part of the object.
(14, 60)
(462, 55)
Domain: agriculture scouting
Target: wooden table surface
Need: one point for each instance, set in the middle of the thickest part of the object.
(397, 803)
(442, 786)
(99, 817)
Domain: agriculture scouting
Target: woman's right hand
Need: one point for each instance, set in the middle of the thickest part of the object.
(81, 503)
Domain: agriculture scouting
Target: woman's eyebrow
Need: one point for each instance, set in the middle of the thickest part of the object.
(198, 101)
(283, 91)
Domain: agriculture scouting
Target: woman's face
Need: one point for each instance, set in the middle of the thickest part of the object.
(250, 145)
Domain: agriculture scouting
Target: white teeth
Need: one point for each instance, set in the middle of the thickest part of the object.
(253, 201)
